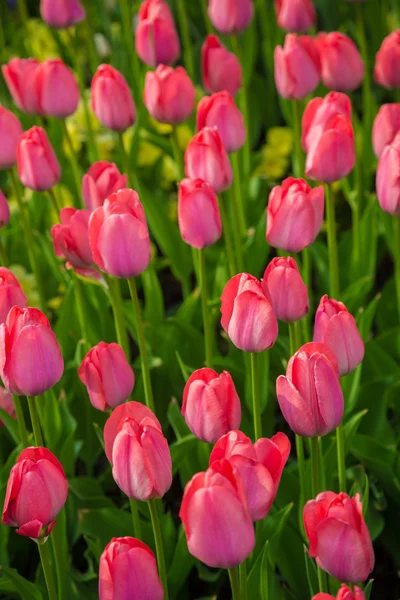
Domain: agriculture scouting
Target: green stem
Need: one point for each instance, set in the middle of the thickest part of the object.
(306, 272)
(37, 432)
(80, 308)
(255, 384)
(235, 585)
(23, 434)
(185, 34)
(208, 338)
(243, 580)
(237, 234)
(298, 156)
(24, 16)
(207, 21)
(74, 163)
(238, 193)
(57, 542)
(332, 243)
(54, 202)
(315, 466)
(159, 544)
(47, 570)
(118, 312)
(137, 526)
(396, 255)
(322, 580)
(227, 237)
(176, 151)
(3, 254)
(148, 392)
(341, 458)
(125, 158)
(244, 105)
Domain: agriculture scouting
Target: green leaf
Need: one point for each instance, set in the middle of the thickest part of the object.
(10, 424)
(154, 301)
(182, 450)
(26, 589)
(264, 568)
(311, 570)
(89, 493)
(368, 589)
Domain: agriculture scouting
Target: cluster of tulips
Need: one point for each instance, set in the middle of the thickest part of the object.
(105, 237)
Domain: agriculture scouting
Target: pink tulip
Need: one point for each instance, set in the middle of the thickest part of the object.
(386, 125)
(282, 282)
(107, 375)
(338, 536)
(345, 592)
(38, 167)
(220, 111)
(56, 88)
(211, 406)
(7, 404)
(342, 67)
(230, 16)
(20, 77)
(102, 180)
(388, 178)
(118, 235)
(156, 39)
(215, 516)
(4, 210)
(71, 239)
(247, 315)
(30, 357)
(62, 13)
(221, 69)
(37, 490)
(198, 213)
(138, 451)
(319, 111)
(297, 67)
(260, 466)
(294, 215)
(206, 158)
(386, 71)
(10, 132)
(11, 293)
(295, 15)
(112, 101)
(337, 328)
(169, 94)
(128, 571)
(310, 396)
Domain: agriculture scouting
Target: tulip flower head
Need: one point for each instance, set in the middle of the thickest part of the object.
(7, 404)
(220, 111)
(386, 72)
(230, 16)
(388, 178)
(57, 89)
(206, 158)
(198, 213)
(169, 94)
(4, 210)
(38, 167)
(221, 69)
(342, 67)
(71, 239)
(295, 15)
(297, 67)
(61, 14)
(156, 39)
(10, 133)
(386, 126)
(112, 101)
(344, 593)
(11, 293)
(20, 77)
(102, 180)
(288, 292)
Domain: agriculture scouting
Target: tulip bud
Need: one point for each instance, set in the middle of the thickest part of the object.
(156, 39)
(11, 293)
(260, 466)
(215, 516)
(386, 72)
(221, 112)
(211, 406)
(102, 180)
(118, 235)
(294, 215)
(297, 67)
(342, 67)
(337, 328)
(387, 178)
(339, 538)
(310, 396)
(20, 77)
(4, 210)
(70, 237)
(112, 101)
(38, 167)
(57, 89)
(138, 451)
(247, 315)
(295, 15)
(230, 16)
(386, 125)
(345, 592)
(37, 490)
(169, 94)
(61, 14)
(206, 158)
(10, 132)
(107, 376)
(319, 110)
(221, 69)
(30, 357)
(198, 213)
(128, 566)
(7, 404)
(282, 283)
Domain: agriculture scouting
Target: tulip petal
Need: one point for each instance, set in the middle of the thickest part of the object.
(295, 410)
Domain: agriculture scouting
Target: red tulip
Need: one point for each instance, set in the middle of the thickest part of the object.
(215, 516)
(297, 67)
(211, 406)
(220, 111)
(230, 16)
(20, 77)
(337, 328)
(57, 89)
(169, 94)
(388, 178)
(10, 132)
(112, 101)
(128, 571)
(247, 315)
(338, 536)
(38, 167)
(37, 490)
(345, 592)
(295, 15)
(294, 215)
(30, 357)
(342, 67)
(198, 213)
(102, 180)
(156, 39)
(118, 235)
(70, 237)
(62, 13)
(7, 404)
(284, 285)
(11, 293)
(107, 376)
(4, 210)
(310, 396)
(206, 158)
(138, 451)
(386, 72)
(386, 126)
(221, 70)
(260, 466)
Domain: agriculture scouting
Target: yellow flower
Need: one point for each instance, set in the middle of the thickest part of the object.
(148, 154)
(280, 139)
(273, 165)
(42, 42)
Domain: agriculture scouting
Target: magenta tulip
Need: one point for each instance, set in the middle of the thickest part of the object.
(198, 213)
(288, 293)
(10, 132)
(38, 167)
(297, 67)
(102, 180)
(220, 111)
(221, 69)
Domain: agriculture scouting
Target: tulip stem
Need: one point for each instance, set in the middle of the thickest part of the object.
(208, 341)
(74, 163)
(148, 392)
(315, 466)
(209, 27)
(125, 158)
(155, 521)
(255, 384)
(37, 432)
(235, 585)
(244, 105)
(396, 255)
(118, 312)
(47, 570)
(3, 255)
(54, 202)
(238, 192)
(298, 156)
(29, 239)
(306, 273)
(185, 33)
(237, 233)
(137, 526)
(81, 311)
(332, 242)
(227, 237)
(341, 458)
(23, 434)
(243, 580)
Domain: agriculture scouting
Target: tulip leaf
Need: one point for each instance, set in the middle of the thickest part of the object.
(264, 568)
(311, 570)
(368, 589)
(10, 424)
(26, 589)
(182, 449)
